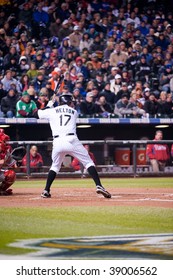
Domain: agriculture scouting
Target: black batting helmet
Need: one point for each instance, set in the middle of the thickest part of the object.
(65, 99)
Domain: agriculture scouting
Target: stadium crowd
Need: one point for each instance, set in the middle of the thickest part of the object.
(116, 57)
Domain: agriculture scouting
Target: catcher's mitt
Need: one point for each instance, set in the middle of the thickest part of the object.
(18, 153)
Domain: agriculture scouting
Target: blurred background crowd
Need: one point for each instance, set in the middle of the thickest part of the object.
(115, 57)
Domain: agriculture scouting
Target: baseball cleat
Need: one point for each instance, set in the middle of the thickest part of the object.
(45, 194)
(101, 190)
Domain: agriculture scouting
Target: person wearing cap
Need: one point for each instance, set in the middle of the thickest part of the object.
(131, 62)
(169, 31)
(137, 46)
(95, 61)
(110, 97)
(120, 108)
(42, 99)
(25, 107)
(113, 71)
(38, 59)
(150, 104)
(75, 37)
(88, 106)
(142, 69)
(91, 31)
(123, 90)
(64, 31)
(115, 84)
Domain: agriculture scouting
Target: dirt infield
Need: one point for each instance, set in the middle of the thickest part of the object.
(68, 197)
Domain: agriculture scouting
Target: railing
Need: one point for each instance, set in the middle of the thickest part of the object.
(110, 166)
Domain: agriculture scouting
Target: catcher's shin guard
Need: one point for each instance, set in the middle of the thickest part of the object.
(10, 178)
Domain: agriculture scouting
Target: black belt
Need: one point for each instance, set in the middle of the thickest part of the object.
(68, 134)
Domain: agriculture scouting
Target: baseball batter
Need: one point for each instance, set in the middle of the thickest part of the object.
(62, 120)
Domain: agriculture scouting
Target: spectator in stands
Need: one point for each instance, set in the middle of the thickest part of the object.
(85, 42)
(36, 160)
(64, 31)
(95, 61)
(40, 22)
(25, 107)
(12, 53)
(165, 77)
(115, 84)
(98, 81)
(117, 56)
(39, 82)
(8, 104)
(150, 106)
(80, 68)
(169, 106)
(3, 92)
(8, 80)
(97, 44)
(158, 154)
(110, 97)
(123, 89)
(88, 107)
(32, 72)
(75, 37)
(131, 62)
(91, 70)
(104, 108)
(76, 165)
(121, 106)
(161, 110)
(142, 70)
(24, 81)
(39, 59)
(42, 100)
(133, 105)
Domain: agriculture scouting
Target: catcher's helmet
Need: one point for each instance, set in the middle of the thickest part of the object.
(65, 99)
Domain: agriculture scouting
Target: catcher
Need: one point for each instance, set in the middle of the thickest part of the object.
(8, 160)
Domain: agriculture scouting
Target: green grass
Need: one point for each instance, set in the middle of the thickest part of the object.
(112, 182)
(25, 223)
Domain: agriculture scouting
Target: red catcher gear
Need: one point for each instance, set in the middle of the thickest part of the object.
(10, 178)
(3, 147)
